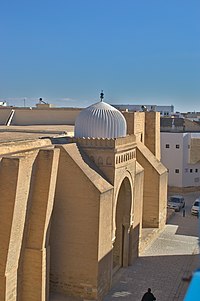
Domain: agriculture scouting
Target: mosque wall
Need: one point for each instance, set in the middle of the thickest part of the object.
(14, 184)
(104, 158)
(66, 210)
(31, 171)
(4, 114)
(109, 154)
(45, 116)
(34, 116)
(105, 244)
(135, 124)
(146, 127)
(155, 188)
(129, 121)
(24, 182)
(163, 199)
(77, 260)
(121, 167)
(152, 132)
(37, 250)
(138, 210)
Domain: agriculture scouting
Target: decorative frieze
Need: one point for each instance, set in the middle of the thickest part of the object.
(125, 157)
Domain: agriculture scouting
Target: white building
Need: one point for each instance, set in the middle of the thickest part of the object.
(3, 103)
(164, 110)
(180, 152)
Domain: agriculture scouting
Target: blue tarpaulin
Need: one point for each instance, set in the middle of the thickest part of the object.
(193, 292)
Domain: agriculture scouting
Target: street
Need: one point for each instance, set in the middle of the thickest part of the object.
(171, 257)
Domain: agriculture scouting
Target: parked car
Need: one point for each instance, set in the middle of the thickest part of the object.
(196, 207)
(176, 202)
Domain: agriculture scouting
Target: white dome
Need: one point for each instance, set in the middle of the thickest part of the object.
(100, 120)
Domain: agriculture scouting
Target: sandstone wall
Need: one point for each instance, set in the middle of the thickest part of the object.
(138, 211)
(75, 227)
(155, 188)
(34, 116)
(136, 124)
(35, 260)
(152, 132)
(4, 115)
(24, 182)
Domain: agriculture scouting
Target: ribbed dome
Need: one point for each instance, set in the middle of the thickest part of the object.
(100, 120)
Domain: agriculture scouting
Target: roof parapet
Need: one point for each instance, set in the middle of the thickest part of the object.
(104, 142)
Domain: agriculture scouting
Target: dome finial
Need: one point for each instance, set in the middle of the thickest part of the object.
(101, 95)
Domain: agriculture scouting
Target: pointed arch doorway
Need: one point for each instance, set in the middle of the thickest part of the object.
(122, 224)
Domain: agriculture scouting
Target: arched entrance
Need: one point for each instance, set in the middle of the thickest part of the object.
(122, 224)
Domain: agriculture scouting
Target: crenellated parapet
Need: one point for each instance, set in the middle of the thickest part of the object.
(109, 154)
(104, 142)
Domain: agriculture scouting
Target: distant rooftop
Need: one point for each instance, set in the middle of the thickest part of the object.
(168, 124)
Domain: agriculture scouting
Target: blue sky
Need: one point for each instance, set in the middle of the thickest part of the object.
(66, 51)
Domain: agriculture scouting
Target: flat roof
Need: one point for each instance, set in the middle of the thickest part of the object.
(26, 132)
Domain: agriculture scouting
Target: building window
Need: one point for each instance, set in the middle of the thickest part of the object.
(177, 146)
(167, 146)
(196, 170)
(176, 170)
(191, 170)
(188, 146)
(186, 169)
